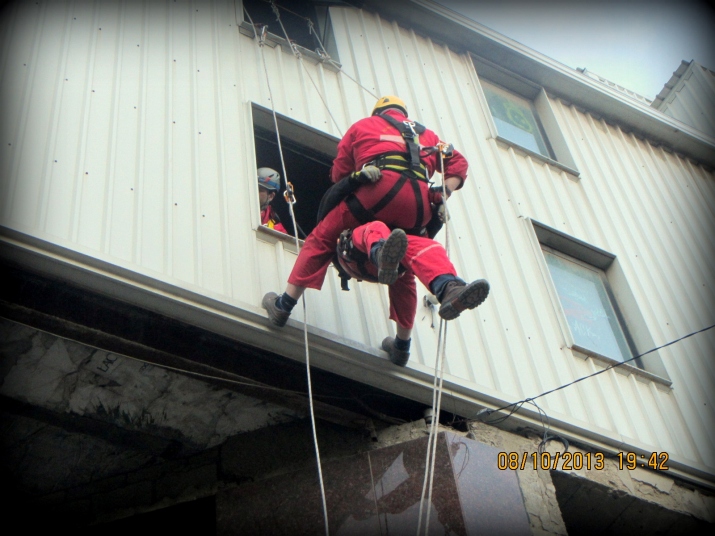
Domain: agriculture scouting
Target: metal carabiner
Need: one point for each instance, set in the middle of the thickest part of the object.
(289, 194)
(411, 124)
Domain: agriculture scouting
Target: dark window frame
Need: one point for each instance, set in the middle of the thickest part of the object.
(619, 294)
(308, 154)
(295, 26)
(559, 153)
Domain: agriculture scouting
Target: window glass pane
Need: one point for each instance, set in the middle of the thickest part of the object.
(589, 312)
(515, 119)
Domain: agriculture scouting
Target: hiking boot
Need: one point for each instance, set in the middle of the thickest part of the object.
(389, 256)
(458, 296)
(278, 317)
(398, 357)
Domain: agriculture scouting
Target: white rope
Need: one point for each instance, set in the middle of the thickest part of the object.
(326, 57)
(440, 359)
(298, 55)
(261, 42)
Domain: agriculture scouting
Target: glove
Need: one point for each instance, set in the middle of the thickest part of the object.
(367, 175)
(435, 194)
(442, 213)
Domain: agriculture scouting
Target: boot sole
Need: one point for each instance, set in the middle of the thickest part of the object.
(392, 252)
(472, 296)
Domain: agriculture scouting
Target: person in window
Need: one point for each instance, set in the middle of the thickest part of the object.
(381, 173)
(268, 186)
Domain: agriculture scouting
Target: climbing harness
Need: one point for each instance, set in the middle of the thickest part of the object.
(351, 263)
(410, 167)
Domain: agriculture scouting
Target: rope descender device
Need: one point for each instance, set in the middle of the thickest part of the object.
(447, 149)
(289, 194)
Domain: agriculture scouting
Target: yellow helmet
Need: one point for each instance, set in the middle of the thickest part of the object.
(389, 101)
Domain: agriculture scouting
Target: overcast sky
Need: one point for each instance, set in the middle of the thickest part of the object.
(634, 43)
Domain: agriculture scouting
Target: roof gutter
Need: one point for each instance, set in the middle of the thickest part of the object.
(465, 35)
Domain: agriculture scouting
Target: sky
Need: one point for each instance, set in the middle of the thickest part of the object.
(634, 43)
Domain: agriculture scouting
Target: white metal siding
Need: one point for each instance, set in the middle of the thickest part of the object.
(692, 100)
(133, 144)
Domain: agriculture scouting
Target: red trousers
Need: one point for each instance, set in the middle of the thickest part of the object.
(425, 258)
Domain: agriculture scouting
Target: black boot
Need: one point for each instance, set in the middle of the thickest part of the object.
(398, 357)
(458, 296)
(276, 315)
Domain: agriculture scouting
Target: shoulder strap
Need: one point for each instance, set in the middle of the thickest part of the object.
(409, 130)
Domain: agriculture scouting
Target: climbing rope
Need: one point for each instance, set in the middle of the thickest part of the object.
(438, 382)
(299, 56)
(290, 198)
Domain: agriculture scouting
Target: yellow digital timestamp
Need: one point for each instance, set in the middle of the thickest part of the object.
(655, 460)
(576, 461)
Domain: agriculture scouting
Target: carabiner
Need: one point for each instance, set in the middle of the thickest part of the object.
(289, 194)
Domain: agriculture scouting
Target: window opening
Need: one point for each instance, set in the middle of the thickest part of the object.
(294, 16)
(308, 156)
(516, 120)
(589, 306)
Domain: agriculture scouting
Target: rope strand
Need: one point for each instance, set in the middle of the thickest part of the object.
(261, 43)
(440, 361)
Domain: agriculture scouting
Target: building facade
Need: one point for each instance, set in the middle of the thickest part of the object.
(131, 133)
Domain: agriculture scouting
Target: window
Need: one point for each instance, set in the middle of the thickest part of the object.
(586, 301)
(595, 307)
(308, 155)
(294, 15)
(520, 115)
(515, 119)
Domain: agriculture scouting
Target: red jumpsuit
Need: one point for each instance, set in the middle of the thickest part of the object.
(362, 143)
(270, 220)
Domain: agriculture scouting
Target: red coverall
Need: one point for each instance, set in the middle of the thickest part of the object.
(270, 221)
(362, 143)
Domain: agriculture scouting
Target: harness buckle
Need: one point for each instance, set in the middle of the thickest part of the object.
(411, 126)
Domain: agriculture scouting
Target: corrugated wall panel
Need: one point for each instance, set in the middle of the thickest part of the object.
(692, 100)
(135, 143)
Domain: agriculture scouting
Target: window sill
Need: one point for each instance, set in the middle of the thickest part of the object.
(273, 40)
(574, 173)
(626, 369)
(266, 234)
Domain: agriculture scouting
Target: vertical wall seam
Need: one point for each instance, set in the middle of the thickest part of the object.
(43, 199)
(80, 163)
(195, 202)
(113, 138)
(138, 181)
(21, 127)
(221, 141)
(168, 219)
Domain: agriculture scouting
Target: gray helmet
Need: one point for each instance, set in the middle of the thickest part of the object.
(269, 179)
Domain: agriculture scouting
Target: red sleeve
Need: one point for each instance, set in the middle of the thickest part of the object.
(456, 166)
(344, 163)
